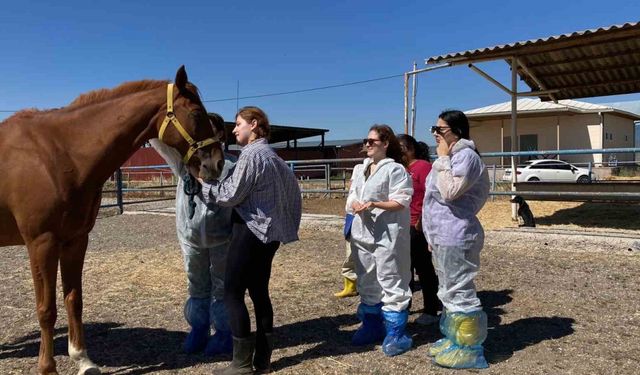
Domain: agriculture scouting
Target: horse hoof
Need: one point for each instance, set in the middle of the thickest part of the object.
(36, 371)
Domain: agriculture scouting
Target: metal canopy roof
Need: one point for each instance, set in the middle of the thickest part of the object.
(279, 133)
(534, 107)
(596, 62)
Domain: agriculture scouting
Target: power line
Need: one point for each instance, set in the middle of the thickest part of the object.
(305, 90)
(286, 92)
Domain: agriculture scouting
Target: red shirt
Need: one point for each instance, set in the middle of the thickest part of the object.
(418, 171)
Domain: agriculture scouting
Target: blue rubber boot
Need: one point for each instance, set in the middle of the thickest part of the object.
(221, 342)
(372, 328)
(196, 312)
(396, 342)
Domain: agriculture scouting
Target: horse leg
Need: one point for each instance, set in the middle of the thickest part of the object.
(71, 263)
(43, 256)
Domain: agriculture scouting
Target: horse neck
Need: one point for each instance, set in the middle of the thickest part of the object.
(111, 133)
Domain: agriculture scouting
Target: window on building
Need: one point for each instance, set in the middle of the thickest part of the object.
(528, 142)
(506, 147)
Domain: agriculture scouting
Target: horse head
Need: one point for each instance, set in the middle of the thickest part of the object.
(185, 126)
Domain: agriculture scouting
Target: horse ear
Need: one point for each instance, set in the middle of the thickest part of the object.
(181, 78)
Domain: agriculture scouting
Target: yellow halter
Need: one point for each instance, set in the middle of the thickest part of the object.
(170, 117)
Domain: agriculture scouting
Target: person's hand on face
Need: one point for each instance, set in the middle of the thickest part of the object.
(444, 138)
(444, 148)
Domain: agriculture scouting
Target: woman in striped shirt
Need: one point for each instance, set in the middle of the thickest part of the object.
(267, 210)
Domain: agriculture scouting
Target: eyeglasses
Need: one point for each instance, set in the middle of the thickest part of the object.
(439, 129)
(370, 141)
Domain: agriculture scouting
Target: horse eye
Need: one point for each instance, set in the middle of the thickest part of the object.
(196, 115)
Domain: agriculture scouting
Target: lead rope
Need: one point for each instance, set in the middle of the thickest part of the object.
(191, 188)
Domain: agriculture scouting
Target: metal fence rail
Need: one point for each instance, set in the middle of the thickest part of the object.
(579, 194)
(338, 170)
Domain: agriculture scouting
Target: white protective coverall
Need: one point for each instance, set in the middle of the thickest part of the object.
(204, 240)
(456, 190)
(380, 237)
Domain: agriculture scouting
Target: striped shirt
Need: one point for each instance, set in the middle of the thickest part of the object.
(264, 192)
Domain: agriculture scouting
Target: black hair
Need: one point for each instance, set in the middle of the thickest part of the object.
(218, 124)
(457, 121)
(419, 148)
(422, 152)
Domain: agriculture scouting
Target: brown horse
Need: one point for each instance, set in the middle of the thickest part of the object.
(53, 166)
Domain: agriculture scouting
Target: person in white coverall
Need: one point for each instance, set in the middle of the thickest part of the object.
(379, 197)
(456, 190)
(204, 232)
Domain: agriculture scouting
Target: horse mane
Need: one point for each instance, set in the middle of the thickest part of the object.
(92, 97)
(126, 88)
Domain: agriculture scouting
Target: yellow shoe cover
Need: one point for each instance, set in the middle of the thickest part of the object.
(458, 357)
(439, 346)
(466, 329)
(468, 332)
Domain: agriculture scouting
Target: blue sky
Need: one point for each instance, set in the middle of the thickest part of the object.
(54, 51)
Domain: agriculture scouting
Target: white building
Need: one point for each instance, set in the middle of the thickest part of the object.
(567, 125)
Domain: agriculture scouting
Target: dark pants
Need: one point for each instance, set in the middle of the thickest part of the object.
(248, 268)
(423, 266)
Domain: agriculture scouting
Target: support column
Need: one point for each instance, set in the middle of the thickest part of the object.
(514, 131)
(413, 102)
(406, 103)
(558, 136)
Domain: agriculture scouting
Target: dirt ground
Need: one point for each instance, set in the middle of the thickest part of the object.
(562, 298)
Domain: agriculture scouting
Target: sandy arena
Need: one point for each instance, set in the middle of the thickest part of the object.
(563, 298)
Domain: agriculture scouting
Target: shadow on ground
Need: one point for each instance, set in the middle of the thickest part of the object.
(146, 350)
(502, 342)
(505, 339)
(132, 350)
(596, 215)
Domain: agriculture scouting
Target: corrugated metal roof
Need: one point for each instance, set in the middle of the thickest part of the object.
(279, 133)
(531, 106)
(595, 62)
(327, 143)
(306, 144)
(628, 106)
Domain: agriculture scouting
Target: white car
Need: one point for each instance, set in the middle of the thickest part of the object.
(549, 170)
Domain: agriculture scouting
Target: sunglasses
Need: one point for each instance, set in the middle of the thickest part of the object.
(439, 129)
(370, 141)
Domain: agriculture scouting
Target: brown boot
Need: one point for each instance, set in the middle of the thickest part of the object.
(262, 357)
(242, 356)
